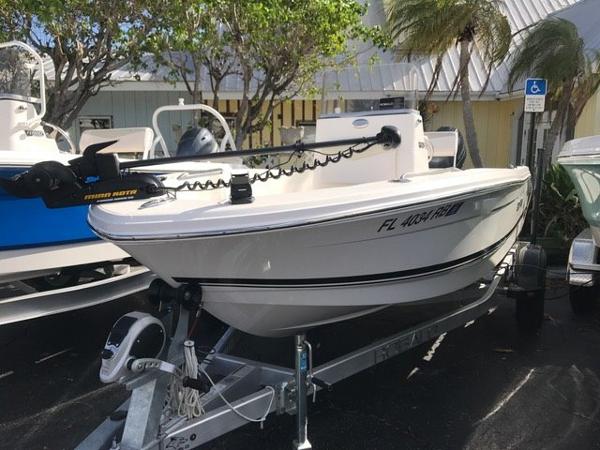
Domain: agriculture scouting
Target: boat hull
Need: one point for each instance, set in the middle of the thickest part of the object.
(32, 262)
(281, 281)
(268, 316)
(581, 159)
(36, 240)
(585, 174)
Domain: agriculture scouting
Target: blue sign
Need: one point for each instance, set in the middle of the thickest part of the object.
(536, 86)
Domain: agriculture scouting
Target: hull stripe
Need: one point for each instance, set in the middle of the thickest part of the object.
(351, 280)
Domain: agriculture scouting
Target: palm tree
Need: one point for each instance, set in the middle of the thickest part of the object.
(432, 27)
(554, 50)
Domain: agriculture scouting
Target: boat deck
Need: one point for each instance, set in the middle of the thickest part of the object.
(482, 387)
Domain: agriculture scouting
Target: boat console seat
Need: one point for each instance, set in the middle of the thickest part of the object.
(446, 147)
(131, 141)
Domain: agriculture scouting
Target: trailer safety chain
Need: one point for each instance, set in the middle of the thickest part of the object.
(277, 172)
(234, 409)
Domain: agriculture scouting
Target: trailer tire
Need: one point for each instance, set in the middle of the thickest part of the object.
(582, 299)
(530, 267)
(529, 312)
(530, 277)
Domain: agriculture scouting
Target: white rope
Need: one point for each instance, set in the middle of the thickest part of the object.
(185, 401)
(191, 406)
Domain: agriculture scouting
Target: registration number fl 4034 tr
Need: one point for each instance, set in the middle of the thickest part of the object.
(417, 218)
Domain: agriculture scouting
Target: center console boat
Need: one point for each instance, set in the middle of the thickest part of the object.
(371, 231)
(366, 225)
(381, 215)
(581, 159)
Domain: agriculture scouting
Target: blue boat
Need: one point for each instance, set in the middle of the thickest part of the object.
(35, 240)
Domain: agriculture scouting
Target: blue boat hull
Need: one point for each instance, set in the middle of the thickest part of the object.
(27, 223)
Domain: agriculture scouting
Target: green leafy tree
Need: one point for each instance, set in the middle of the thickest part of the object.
(554, 50)
(560, 209)
(275, 47)
(432, 27)
(189, 41)
(85, 40)
(14, 74)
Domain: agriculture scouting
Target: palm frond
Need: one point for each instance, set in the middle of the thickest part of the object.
(552, 50)
(431, 27)
(587, 84)
(417, 26)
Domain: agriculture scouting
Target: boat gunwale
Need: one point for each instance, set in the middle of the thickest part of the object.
(583, 159)
(263, 229)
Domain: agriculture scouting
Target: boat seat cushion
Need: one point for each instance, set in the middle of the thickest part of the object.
(129, 140)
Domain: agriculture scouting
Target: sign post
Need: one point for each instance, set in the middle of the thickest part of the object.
(535, 102)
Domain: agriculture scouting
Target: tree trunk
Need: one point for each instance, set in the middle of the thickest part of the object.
(571, 123)
(465, 91)
(196, 114)
(62, 112)
(558, 122)
(196, 93)
(240, 122)
(241, 116)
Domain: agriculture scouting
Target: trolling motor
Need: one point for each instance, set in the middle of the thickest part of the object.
(100, 177)
(92, 178)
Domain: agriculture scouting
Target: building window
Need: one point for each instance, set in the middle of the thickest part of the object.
(392, 103)
(94, 123)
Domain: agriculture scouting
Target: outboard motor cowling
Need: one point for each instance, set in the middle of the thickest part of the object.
(196, 141)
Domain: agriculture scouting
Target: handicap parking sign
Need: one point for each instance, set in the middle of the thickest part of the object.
(535, 94)
(536, 86)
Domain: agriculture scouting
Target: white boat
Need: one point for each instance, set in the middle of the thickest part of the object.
(369, 227)
(581, 159)
(375, 230)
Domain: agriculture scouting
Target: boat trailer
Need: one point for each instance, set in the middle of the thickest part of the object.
(26, 302)
(249, 390)
(583, 272)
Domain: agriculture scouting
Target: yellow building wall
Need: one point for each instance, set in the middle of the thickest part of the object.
(589, 121)
(494, 121)
(286, 114)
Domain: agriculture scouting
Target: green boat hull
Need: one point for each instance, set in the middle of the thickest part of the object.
(585, 174)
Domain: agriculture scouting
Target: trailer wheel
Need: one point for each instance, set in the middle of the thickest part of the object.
(529, 311)
(582, 299)
(530, 277)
